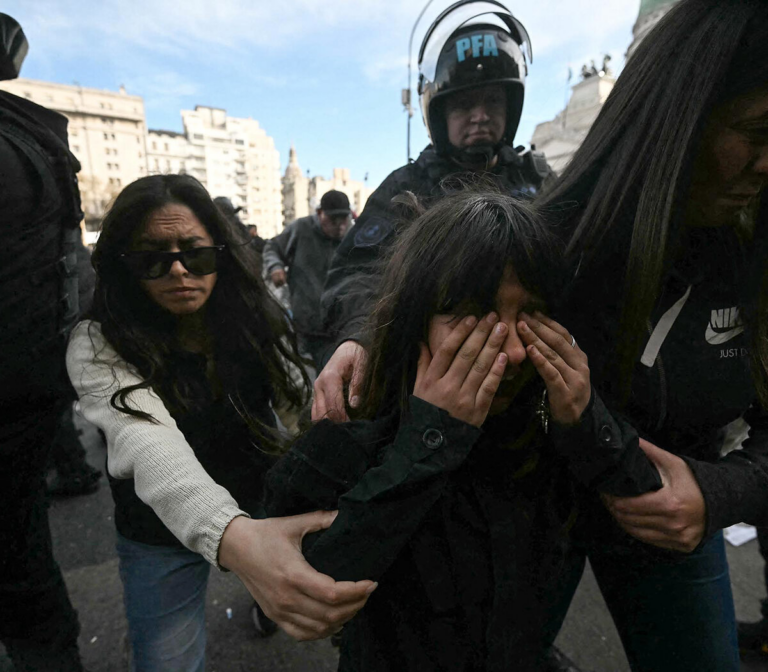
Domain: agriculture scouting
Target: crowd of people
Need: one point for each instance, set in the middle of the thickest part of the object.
(490, 376)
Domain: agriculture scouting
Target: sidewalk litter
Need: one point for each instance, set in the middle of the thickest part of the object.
(739, 534)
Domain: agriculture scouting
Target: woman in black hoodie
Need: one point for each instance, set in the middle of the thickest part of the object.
(666, 215)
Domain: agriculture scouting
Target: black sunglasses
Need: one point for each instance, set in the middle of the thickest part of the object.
(151, 265)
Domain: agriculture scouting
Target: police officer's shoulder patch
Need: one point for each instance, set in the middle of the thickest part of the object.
(373, 232)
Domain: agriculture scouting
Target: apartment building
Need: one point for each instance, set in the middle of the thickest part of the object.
(107, 134)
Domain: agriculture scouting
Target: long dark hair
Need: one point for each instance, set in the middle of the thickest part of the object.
(625, 191)
(451, 259)
(250, 330)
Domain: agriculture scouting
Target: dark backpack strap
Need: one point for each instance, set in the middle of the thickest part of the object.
(535, 167)
(61, 166)
(39, 284)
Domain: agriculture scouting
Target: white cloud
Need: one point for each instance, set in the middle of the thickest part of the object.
(389, 68)
(163, 89)
(368, 40)
(376, 31)
(166, 25)
(559, 25)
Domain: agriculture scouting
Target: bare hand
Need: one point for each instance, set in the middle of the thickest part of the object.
(562, 366)
(266, 556)
(673, 517)
(347, 365)
(463, 374)
(278, 277)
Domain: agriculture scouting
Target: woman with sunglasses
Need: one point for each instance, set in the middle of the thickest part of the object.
(180, 363)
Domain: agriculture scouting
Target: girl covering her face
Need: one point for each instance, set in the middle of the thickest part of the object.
(449, 488)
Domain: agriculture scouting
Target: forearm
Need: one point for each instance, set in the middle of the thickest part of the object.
(272, 258)
(735, 488)
(319, 468)
(354, 275)
(276, 250)
(382, 512)
(179, 490)
(603, 452)
(167, 475)
(347, 301)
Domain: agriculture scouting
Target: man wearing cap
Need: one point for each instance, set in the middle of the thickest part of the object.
(300, 256)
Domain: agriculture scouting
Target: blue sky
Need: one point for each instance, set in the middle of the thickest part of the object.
(323, 74)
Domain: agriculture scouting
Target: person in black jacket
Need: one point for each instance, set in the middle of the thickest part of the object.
(39, 219)
(665, 211)
(473, 68)
(449, 488)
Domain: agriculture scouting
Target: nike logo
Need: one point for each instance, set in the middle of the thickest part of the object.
(724, 325)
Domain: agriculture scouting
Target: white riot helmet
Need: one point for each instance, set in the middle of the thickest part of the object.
(472, 43)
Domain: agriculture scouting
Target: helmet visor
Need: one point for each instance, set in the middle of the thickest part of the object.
(466, 14)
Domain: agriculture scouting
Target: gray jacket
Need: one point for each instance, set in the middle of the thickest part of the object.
(305, 251)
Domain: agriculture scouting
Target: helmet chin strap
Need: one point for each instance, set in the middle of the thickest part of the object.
(475, 157)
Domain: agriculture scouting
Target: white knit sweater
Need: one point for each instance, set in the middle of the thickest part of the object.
(167, 475)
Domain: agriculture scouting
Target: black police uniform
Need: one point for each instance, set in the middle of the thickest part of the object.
(39, 216)
(353, 275)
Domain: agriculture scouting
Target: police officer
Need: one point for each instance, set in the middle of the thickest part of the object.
(473, 62)
(39, 218)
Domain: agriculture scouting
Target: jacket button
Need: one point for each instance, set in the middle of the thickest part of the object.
(432, 439)
(606, 435)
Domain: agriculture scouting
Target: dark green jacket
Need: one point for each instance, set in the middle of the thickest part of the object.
(465, 530)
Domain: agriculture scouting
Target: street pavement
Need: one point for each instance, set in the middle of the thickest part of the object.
(83, 535)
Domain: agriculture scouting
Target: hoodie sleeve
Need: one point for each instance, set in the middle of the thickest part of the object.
(735, 488)
(353, 274)
(277, 250)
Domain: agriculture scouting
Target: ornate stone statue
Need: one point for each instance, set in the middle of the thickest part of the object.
(591, 70)
(606, 70)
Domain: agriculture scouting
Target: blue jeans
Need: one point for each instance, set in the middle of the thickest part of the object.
(672, 616)
(164, 594)
(762, 540)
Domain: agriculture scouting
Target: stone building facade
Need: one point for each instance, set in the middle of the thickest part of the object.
(231, 156)
(560, 138)
(651, 12)
(167, 152)
(302, 194)
(236, 158)
(295, 186)
(107, 134)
